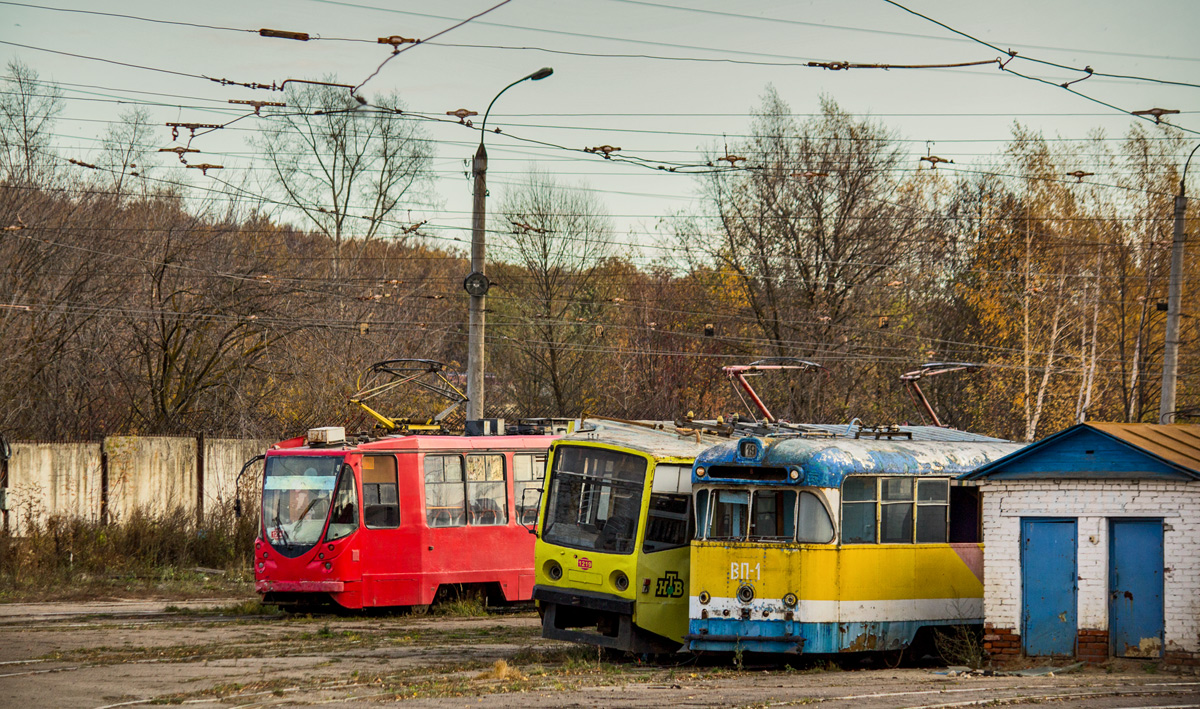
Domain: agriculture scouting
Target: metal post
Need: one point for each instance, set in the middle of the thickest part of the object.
(476, 284)
(1166, 406)
(475, 327)
(1166, 403)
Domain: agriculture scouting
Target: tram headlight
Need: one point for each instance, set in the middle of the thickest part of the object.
(745, 594)
(553, 570)
(699, 472)
(794, 474)
(790, 600)
(620, 581)
(704, 598)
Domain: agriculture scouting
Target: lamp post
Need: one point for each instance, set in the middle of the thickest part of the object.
(476, 283)
(1166, 404)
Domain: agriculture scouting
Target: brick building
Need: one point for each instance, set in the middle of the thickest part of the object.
(1091, 545)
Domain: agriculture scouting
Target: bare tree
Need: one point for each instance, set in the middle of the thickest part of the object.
(125, 151)
(28, 108)
(553, 293)
(811, 220)
(348, 168)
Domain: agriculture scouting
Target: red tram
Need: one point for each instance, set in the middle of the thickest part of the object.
(387, 522)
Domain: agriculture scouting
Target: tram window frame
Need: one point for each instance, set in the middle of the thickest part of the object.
(595, 499)
(380, 492)
(719, 516)
(674, 524)
(929, 506)
(779, 517)
(444, 515)
(529, 472)
(824, 532)
(343, 515)
(896, 509)
(494, 478)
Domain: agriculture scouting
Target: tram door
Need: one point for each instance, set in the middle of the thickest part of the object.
(1048, 582)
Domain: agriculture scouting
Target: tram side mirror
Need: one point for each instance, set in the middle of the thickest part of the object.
(529, 513)
(237, 485)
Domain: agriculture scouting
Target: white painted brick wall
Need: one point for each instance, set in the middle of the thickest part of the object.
(1093, 504)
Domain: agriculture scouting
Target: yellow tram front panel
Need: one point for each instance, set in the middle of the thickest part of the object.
(612, 555)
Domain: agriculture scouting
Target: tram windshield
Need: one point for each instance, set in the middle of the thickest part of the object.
(595, 499)
(298, 494)
(762, 515)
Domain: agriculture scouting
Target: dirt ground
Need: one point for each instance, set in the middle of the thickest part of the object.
(232, 653)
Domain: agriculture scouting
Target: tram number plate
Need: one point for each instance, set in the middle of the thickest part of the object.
(744, 571)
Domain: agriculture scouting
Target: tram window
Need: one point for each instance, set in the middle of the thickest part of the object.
(666, 522)
(381, 501)
(701, 513)
(344, 518)
(858, 510)
(774, 515)
(595, 499)
(895, 510)
(730, 513)
(933, 500)
(486, 492)
(964, 515)
(814, 525)
(903, 509)
(529, 472)
(444, 498)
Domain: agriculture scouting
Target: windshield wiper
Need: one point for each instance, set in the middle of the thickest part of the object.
(303, 514)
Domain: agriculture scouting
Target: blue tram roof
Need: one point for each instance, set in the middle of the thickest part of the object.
(825, 462)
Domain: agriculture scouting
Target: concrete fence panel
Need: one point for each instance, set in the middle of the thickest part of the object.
(223, 460)
(49, 479)
(153, 474)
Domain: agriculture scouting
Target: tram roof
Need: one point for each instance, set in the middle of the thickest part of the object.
(658, 438)
(826, 462)
(428, 442)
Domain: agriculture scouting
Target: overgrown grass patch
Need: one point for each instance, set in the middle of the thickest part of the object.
(145, 554)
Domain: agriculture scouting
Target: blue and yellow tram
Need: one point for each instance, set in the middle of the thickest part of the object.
(832, 544)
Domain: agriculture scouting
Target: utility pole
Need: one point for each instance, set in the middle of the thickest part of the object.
(1166, 406)
(476, 283)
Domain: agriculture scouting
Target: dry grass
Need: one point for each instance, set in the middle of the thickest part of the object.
(73, 558)
(501, 670)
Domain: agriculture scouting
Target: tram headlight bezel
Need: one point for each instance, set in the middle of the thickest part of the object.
(790, 600)
(704, 598)
(745, 593)
(553, 570)
(619, 581)
(699, 472)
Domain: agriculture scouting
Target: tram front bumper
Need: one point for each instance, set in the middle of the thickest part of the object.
(594, 619)
(268, 586)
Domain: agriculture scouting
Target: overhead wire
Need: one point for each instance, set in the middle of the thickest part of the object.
(1065, 86)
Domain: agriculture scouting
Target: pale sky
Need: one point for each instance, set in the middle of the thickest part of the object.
(652, 108)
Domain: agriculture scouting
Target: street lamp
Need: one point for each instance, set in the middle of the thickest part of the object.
(1166, 404)
(476, 284)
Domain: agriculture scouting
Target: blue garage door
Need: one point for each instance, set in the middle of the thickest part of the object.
(1048, 583)
(1135, 611)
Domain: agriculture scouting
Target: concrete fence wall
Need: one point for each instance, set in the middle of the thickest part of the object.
(111, 479)
(53, 479)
